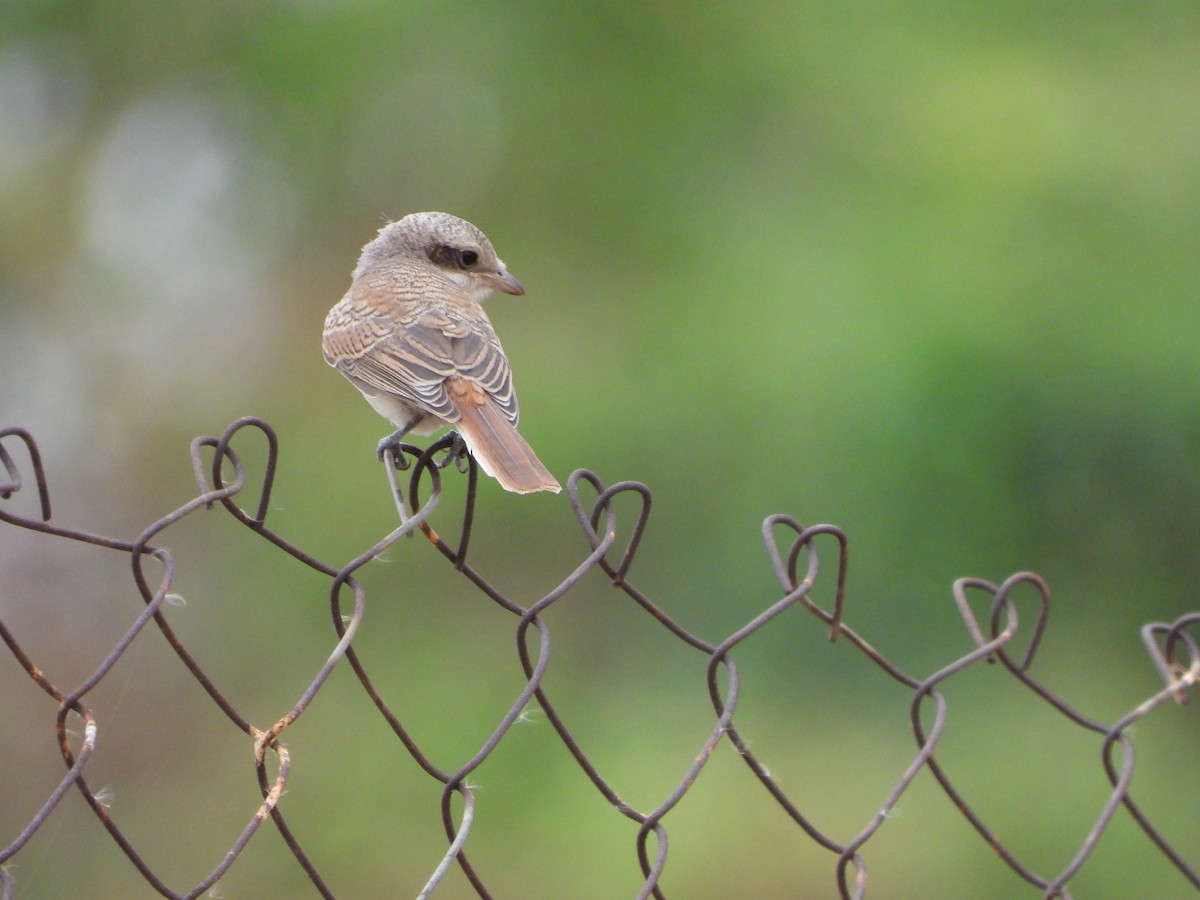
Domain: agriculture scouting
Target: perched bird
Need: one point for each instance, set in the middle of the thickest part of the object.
(411, 335)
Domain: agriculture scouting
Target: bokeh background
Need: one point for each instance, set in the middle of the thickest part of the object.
(924, 270)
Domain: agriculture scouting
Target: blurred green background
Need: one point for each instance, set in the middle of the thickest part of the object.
(924, 270)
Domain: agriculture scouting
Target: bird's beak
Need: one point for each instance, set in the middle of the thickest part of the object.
(502, 281)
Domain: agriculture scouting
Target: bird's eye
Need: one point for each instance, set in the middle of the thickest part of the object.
(469, 258)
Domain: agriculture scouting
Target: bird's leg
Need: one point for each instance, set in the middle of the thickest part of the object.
(392, 441)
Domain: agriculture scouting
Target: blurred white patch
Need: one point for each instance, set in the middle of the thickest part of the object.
(160, 192)
(182, 220)
(42, 102)
(51, 403)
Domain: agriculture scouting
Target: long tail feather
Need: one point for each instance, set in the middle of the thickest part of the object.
(501, 451)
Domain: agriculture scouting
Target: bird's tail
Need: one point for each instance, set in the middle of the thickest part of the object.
(501, 451)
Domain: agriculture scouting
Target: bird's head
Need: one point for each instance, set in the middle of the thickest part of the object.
(459, 250)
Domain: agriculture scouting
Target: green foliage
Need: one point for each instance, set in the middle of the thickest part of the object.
(925, 270)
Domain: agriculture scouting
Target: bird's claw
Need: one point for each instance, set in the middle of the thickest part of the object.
(392, 443)
(456, 452)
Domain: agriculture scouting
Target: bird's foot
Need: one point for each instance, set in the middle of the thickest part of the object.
(456, 452)
(392, 443)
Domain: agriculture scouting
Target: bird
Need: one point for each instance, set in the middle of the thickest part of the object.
(411, 335)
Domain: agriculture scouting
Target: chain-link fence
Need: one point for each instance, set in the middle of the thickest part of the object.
(416, 476)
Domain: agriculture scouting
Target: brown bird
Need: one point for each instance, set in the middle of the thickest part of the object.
(411, 335)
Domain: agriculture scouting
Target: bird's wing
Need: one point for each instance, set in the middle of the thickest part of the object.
(479, 358)
(408, 347)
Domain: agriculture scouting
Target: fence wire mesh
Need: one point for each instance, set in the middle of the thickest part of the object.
(416, 476)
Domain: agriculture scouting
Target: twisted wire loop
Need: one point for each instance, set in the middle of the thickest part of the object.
(415, 478)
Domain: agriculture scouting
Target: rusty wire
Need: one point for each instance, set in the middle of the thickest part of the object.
(793, 552)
